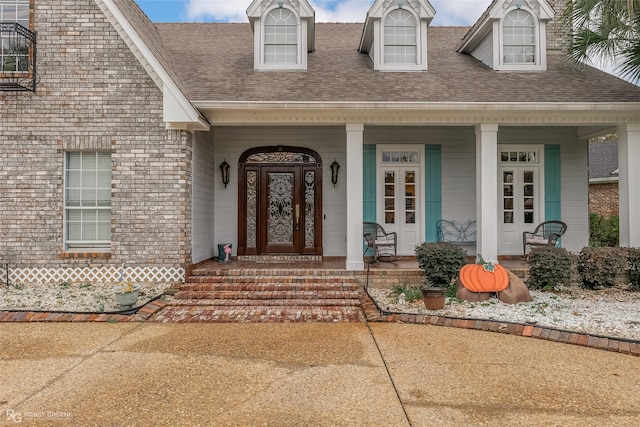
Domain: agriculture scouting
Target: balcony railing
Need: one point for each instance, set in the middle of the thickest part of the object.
(17, 58)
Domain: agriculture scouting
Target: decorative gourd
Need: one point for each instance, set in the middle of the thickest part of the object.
(484, 277)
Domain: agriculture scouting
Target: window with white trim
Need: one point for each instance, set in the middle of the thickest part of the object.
(400, 37)
(281, 37)
(14, 54)
(519, 38)
(87, 199)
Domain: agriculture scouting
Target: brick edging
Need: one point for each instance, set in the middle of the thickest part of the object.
(618, 345)
(141, 315)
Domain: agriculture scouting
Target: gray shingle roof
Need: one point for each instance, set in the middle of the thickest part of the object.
(603, 159)
(215, 62)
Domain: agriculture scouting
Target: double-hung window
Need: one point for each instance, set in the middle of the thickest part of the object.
(17, 47)
(280, 37)
(88, 201)
(519, 38)
(400, 37)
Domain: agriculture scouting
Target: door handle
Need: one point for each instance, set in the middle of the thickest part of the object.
(297, 216)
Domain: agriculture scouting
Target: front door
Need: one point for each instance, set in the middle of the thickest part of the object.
(520, 204)
(280, 210)
(280, 201)
(399, 195)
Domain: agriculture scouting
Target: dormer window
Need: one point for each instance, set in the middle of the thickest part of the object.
(395, 35)
(400, 30)
(283, 33)
(280, 37)
(510, 36)
(519, 38)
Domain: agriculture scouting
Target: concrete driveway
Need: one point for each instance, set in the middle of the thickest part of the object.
(306, 374)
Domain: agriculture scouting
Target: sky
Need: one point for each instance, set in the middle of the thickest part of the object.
(448, 12)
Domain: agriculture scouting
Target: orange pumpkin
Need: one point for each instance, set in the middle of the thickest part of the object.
(484, 277)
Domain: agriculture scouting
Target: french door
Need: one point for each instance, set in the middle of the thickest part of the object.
(399, 208)
(520, 197)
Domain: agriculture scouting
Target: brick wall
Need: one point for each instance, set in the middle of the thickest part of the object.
(556, 33)
(92, 94)
(603, 198)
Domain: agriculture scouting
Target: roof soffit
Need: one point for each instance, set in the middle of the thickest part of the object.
(422, 8)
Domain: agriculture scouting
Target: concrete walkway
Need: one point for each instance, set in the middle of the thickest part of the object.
(306, 374)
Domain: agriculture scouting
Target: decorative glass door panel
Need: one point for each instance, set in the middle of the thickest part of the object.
(280, 214)
(519, 197)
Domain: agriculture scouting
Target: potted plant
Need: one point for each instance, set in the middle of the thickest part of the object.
(126, 293)
(441, 263)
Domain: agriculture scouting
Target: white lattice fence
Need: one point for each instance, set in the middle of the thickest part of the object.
(3, 276)
(95, 275)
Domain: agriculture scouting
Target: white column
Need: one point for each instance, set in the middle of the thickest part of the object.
(629, 183)
(353, 178)
(487, 191)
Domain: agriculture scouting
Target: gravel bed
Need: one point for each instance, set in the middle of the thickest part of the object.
(612, 312)
(74, 297)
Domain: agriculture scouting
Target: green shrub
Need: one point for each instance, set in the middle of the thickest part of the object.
(549, 268)
(603, 231)
(600, 267)
(633, 260)
(411, 293)
(440, 261)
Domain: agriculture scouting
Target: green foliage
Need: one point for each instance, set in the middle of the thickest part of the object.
(549, 268)
(600, 267)
(603, 231)
(605, 29)
(634, 268)
(411, 293)
(441, 262)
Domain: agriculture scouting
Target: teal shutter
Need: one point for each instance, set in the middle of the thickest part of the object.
(369, 182)
(369, 186)
(433, 190)
(552, 183)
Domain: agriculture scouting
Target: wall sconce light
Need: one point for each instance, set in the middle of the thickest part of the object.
(334, 172)
(224, 169)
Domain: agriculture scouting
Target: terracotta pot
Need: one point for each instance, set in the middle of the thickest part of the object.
(434, 298)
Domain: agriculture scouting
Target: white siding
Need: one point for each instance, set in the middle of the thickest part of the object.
(329, 142)
(484, 50)
(204, 171)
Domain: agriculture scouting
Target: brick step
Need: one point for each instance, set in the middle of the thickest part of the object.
(266, 295)
(258, 272)
(288, 302)
(214, 314)
(261, 286)
(282, 278)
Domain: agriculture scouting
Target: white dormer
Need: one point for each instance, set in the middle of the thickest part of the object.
(395, 34)
(283, 33)
(511, 35)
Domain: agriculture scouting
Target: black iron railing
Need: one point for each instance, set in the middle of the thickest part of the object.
(17, 58)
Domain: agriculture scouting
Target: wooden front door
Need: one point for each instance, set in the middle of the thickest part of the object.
(280, 213)
(280, 202)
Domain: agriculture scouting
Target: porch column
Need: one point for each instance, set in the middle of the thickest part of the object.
(487, 190)
(629, 183)
(354, 182)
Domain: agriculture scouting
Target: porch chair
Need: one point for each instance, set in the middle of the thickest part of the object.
(546, 234)
(383, 244)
